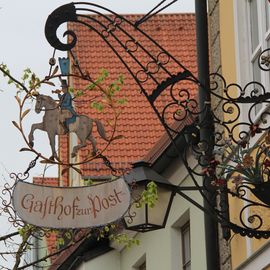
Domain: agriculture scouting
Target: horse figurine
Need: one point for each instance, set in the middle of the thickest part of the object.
(51, 124)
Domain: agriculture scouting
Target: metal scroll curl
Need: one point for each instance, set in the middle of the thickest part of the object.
(237, 107)
(56, 18)
(264, 60)
(251, 218)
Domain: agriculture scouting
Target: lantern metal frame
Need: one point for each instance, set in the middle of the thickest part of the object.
(142, 174)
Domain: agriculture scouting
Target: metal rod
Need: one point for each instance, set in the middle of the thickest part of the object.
(150, 14)
(206, 130)
(145, 16)
(189, 199)
(190, 188)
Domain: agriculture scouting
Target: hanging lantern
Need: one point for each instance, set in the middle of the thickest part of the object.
(146, 218)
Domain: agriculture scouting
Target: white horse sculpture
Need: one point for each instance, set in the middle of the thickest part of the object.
(52, 118)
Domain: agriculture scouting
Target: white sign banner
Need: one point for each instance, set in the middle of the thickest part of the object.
(71, 207)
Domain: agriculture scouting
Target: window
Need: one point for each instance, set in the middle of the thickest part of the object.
(267, 8)
(253, 36)
(142, 266)
(256, 46)
(186, 254)
(258, 14)
(253, 10)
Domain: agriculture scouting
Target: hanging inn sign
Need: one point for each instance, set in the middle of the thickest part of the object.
(76, 207)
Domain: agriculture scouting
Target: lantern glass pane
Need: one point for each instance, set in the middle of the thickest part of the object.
(138, 215)
(157, 214)
(254, 24)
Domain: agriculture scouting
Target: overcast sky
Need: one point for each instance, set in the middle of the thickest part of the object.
(22, 45)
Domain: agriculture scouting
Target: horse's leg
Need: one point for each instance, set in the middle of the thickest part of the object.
(83, 129)
(51, 136)
(78, 147)
(90, 137)
(93, 142)
(31, 134)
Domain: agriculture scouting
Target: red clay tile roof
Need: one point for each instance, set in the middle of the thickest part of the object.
(46, 181)
(138, 123)
(57, 260)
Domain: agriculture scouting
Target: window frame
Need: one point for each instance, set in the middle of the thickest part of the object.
(140, 263)
(186, 264)
(142, 266)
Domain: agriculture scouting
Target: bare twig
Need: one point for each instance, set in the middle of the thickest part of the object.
(13, 79)
(7, 236)
(83, 236)
(21, 249)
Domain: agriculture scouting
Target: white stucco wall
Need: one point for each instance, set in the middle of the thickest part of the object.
(162, 248)
(108, 261)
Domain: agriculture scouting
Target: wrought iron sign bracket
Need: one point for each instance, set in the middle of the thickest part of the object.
(219, 164)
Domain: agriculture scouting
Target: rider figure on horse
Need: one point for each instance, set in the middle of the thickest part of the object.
(65, 103)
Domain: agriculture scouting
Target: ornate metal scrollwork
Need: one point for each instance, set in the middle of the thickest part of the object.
(233, 110)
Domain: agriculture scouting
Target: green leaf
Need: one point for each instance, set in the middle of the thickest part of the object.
(27, 70)
(122, 101)
(104, 73)
(10, 81)
(91, 86)
(79, 93)
(98, 106)
(149, 195)
(88, 182)
(121, 79)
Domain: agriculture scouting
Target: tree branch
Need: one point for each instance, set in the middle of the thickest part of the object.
(13, 79)
(5, 237)
(55, 253)
(21, 249)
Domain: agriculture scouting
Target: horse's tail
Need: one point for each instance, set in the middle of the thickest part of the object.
(101, 130)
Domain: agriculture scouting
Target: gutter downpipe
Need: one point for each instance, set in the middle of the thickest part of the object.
(207, 129)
